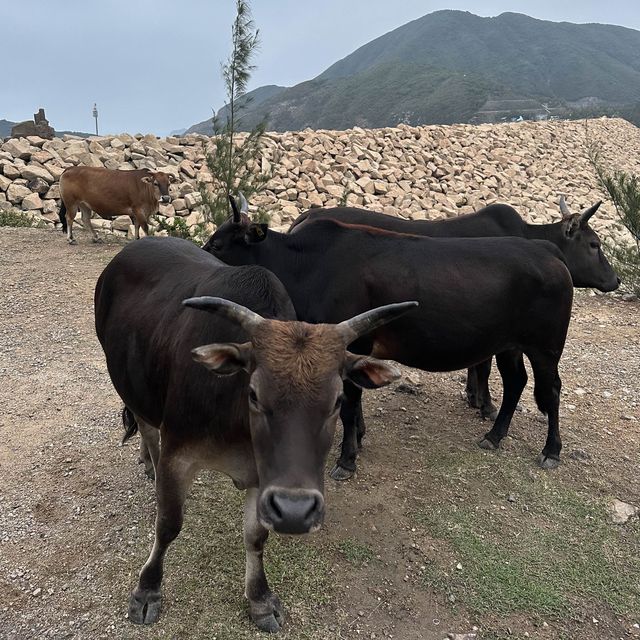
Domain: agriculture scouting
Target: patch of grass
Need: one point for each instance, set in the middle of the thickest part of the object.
(204, 571)
(15, 218)
(547, 552)
(357, 553)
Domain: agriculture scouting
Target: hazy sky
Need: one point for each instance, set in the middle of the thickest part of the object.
(154, 65)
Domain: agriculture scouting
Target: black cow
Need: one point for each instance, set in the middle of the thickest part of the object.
(478, 297)
(579, 243)
(269, 427)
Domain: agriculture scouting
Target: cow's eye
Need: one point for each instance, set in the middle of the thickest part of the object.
(594, 245)
(253, 397)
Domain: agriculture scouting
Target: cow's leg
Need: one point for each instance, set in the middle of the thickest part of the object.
(361, 427)
(72, 210)
(472, 387)
(173, 479)
(346, 463)
(140, 221)
(149, 447)
(86, 221)
(514, 378)
(547, 394)
(264, 607)
(478, 394)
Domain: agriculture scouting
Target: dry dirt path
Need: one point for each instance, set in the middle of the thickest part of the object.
(400, 555)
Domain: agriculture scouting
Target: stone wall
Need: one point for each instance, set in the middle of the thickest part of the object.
(417, 172)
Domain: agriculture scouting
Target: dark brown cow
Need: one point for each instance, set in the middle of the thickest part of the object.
(269, 427)
(111, 193)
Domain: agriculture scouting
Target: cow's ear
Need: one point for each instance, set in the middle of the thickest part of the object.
(224, 359)
(571, 224)
(256, 232)
(369, 373)
(147, 179)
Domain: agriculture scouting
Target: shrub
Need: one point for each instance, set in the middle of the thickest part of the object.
(15, 218)
(624, 191)
(235, 163)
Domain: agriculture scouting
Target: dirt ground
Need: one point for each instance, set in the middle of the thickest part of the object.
(76, 512)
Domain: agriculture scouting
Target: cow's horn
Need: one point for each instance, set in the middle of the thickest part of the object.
(248, 319)
(370, 320)
(234, 208)
(587, 213)
(244, 205)
(563, 208)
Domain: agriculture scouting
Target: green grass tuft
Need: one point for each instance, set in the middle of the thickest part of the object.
(356, 552)
(546, 553)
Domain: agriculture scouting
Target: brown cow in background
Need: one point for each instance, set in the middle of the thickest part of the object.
(111, 193)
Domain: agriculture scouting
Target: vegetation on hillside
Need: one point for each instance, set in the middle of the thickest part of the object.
(388, 94)
(442, 67)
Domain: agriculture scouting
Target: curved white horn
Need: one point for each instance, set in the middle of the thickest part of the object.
(248, 319)
(370, 320)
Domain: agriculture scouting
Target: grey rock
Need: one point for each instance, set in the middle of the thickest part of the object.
(621, 512)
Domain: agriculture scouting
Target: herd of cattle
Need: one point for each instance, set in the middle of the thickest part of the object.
(297, 324)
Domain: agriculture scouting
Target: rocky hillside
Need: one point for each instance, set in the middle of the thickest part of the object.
(416, 172)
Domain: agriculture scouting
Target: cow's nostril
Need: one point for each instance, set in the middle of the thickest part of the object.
(313, 505)
(275, 507)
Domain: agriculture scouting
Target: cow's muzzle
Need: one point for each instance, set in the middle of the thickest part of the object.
(165, 198)
(291, 510)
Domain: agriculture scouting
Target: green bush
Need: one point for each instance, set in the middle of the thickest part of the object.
(235, 162)
(624, 191)
(15, 218)
(177, 227)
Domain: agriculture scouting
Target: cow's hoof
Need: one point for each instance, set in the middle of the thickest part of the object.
(485, 443)
(548, 462)
(340, 473)
(489, 413)
(72, 241)
(97, 241)
(150, 472)
(268, 615)
(144, 606)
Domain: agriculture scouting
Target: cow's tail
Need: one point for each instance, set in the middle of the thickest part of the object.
(62, 214)
(129, 423)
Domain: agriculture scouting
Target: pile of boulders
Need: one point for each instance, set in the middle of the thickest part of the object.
(416, 172)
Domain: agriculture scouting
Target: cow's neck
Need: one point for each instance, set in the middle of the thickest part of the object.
(283, 254)
(550, 232)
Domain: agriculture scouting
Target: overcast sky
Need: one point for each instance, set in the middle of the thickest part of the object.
(154, 65)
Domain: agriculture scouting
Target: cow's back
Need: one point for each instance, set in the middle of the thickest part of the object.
(458, 281)
(147, 334)
(496, 220)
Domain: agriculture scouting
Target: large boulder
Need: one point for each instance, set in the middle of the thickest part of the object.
(18, 148)
(33, 171)
(38, 128)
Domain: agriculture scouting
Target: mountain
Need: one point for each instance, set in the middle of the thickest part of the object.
(5, 128)
(252, 99)
(454, 66)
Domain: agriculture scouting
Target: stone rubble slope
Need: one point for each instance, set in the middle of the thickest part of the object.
(415, 172)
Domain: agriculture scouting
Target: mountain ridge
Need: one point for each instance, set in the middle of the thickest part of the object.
(510, 56)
